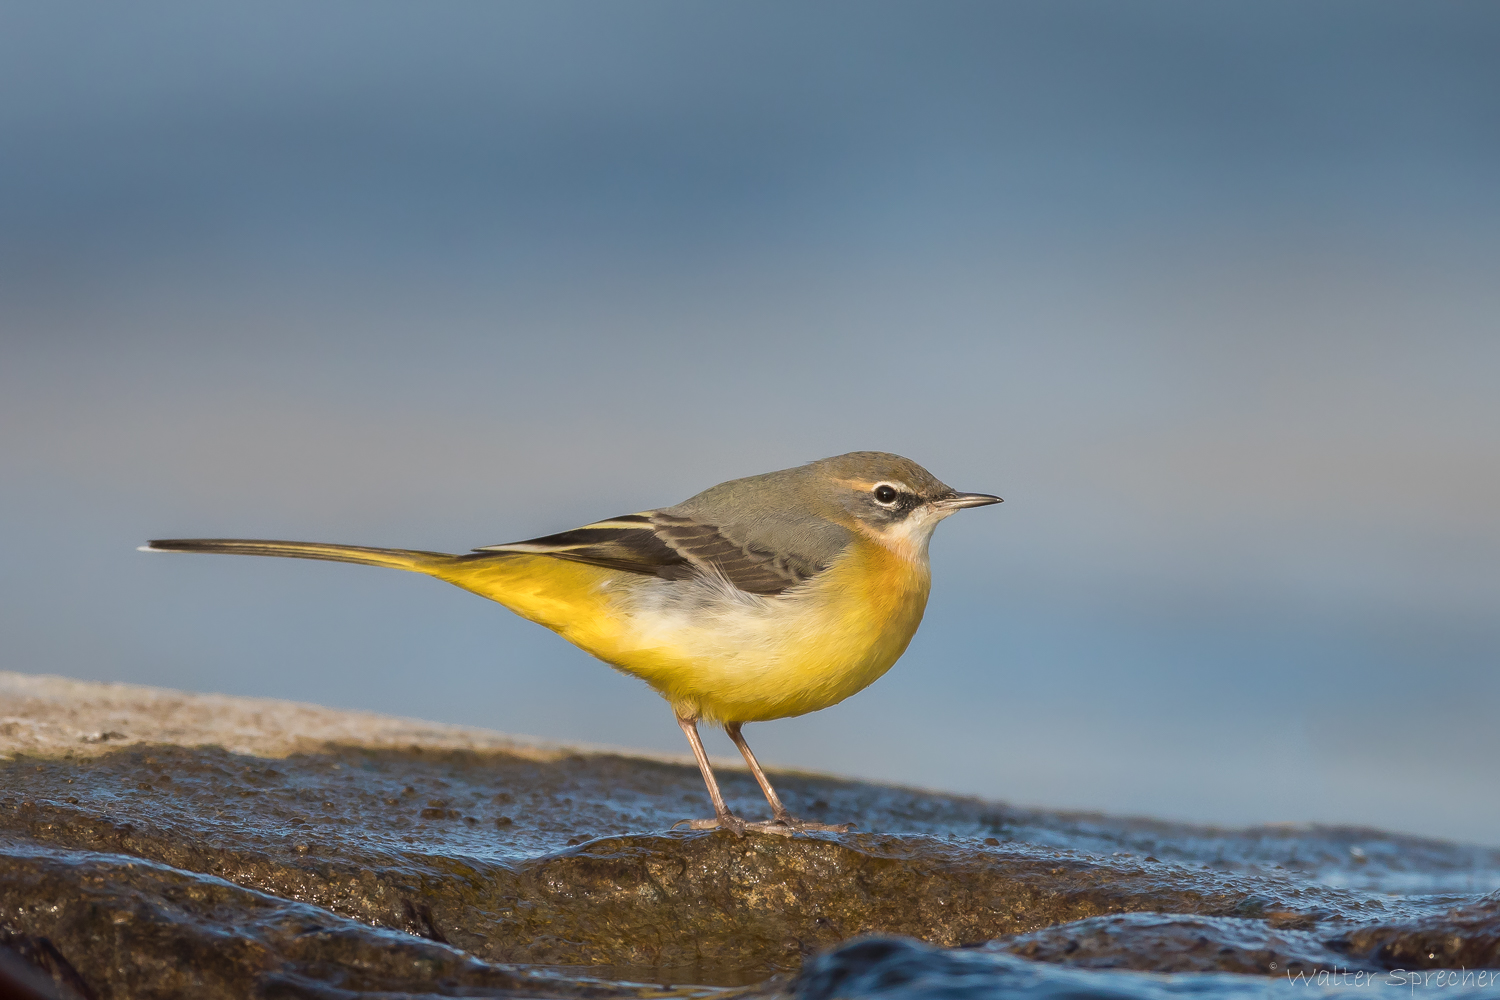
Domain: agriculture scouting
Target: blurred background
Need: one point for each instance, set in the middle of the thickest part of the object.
(1210, 293)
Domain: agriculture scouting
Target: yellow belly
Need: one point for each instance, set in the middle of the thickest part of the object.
(716, 653)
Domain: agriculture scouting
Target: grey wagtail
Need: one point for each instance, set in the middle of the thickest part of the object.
(757, 599)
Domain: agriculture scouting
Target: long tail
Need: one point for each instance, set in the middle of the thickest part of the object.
(409, 559)
(564, 596)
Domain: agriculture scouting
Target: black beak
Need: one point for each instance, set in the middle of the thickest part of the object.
(957, 501)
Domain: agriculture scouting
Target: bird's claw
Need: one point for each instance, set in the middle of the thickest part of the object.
(733, 824)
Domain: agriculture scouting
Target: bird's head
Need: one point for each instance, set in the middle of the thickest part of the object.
(892, 499)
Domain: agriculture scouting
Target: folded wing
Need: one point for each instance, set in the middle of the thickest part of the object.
(672, 547)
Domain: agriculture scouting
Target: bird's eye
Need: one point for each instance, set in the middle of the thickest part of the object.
(885, 494)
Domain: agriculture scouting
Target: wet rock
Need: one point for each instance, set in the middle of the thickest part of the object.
(347, 870)
(901, 969)
(32, 968)
(1170, 942)
(133, 928)
(707, 907)
(1466, 937)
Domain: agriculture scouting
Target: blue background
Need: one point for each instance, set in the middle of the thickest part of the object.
(1207, 291)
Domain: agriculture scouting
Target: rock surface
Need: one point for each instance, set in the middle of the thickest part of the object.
(326, 854)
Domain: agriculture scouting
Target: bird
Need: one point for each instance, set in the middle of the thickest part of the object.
(760, 598)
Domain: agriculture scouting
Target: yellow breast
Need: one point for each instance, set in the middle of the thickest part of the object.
(713, 651)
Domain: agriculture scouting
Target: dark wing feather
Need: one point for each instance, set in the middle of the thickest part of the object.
(626, 543)
(751, 569)
(671, 547)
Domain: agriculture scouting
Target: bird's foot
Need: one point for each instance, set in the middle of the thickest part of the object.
(782, 826)
(728, 821)
(789, 822)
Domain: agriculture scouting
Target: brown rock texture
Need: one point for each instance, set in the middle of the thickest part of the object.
(470, 864)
